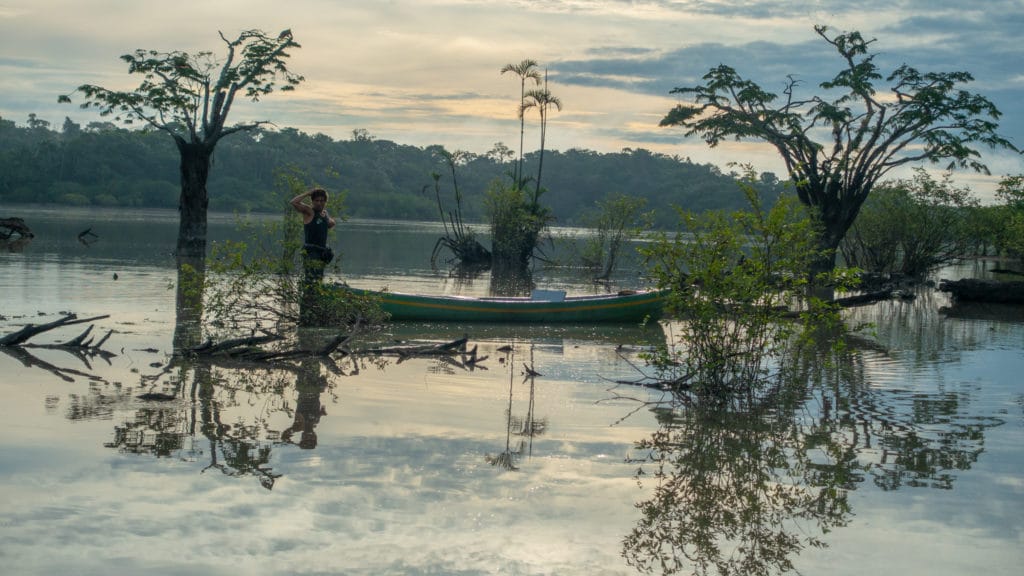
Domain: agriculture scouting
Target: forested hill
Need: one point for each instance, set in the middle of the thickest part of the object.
(102, 164)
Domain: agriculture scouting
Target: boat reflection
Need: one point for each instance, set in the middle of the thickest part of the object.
(615, 334)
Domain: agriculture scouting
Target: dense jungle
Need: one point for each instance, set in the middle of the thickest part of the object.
(101, 164)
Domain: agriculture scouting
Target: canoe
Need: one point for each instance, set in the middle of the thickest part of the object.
(543, 307)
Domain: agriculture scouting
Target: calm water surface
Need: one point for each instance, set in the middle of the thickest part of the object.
(907, 458)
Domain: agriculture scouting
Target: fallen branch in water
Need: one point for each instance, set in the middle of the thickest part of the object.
(979, 290)
(866, 298)
(454, 353)
(444, 349)
(248, 349)
(82, 348)
(11, 227)
(30, 330)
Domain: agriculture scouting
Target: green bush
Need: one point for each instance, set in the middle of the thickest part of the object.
(735, 277)
(73, 199)
(910, 227)
(105, 200)
(615, 220)
(1011, 191)
(516, 225)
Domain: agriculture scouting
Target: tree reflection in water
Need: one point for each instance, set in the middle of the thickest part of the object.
(510, 280)
(743, 488)
(189, 422)
(525, 427)
(202, 413)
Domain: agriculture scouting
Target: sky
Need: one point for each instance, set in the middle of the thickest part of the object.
(424, 72)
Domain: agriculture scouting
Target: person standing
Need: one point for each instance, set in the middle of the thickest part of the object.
(316, 255)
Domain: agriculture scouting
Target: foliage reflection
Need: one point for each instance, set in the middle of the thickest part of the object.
(743, 488)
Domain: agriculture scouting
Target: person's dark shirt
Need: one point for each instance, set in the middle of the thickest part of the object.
(316, 231)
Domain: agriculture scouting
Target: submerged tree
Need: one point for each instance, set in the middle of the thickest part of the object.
(189, 96)
(516, 226)
(458, 237)
(910, 227)
(734, 279)
(1011, 192)
(926, 116)
(616, 220)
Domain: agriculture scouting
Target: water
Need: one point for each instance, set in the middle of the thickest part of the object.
(909, 452)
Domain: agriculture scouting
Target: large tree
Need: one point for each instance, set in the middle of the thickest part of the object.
(189, 97)
(836, 148)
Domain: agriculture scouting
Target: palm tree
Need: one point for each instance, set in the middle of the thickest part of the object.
(525, 69)
(541, 100)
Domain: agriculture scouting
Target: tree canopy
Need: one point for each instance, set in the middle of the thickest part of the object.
(187, 96)
(838, 144)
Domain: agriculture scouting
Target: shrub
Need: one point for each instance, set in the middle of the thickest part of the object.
(734, 278)
(910, 227)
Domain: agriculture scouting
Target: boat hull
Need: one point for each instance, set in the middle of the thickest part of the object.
(623, 307)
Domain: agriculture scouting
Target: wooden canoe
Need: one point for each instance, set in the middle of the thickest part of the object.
(544, 307)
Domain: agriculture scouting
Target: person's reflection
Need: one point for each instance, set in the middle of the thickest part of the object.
(308, 408)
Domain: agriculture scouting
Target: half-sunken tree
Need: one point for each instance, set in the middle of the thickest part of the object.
(189, 96)
(837, 146)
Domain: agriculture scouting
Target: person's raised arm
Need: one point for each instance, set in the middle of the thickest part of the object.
(303, 208)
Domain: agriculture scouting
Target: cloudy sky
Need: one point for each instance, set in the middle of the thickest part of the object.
(426, 72)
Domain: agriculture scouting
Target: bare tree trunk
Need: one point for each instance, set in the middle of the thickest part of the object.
(191, 250)
(193, 202)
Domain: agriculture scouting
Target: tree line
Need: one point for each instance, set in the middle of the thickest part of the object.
(102, 164)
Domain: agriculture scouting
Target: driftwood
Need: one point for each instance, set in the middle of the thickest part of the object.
(230, 346)
(11, 227)
(454, 353)
(21, 336)
(866, 298)
(444, 349)
(977, 290)
(248, 349)
(88, 237)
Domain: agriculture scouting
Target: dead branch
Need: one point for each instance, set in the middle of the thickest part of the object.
(248, 349)
(30, 330)
(81, 348)
(979, 290)
(11, 227)
(445, 349)
(866, 298)
(231, 346)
